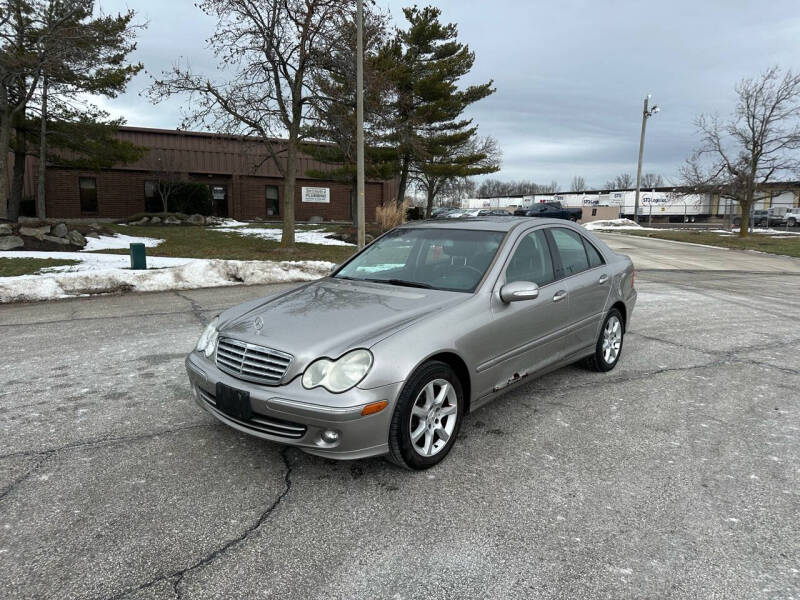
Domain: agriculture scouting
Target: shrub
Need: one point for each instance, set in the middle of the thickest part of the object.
(390, 215)
(190, 197)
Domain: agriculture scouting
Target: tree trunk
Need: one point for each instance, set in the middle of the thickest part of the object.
(18, 177)
(744, 227)
(289, 181)
(429, 205)
(41, 210)
(401, 187)
(5, 137)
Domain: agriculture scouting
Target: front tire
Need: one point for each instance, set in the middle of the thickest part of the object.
(427, 417)
(792, 222)
(609, 343)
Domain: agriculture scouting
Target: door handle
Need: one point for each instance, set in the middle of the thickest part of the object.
(559, 295)
(603, 279)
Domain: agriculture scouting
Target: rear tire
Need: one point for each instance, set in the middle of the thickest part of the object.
(427, 417)
(609, 343)
(737, 222)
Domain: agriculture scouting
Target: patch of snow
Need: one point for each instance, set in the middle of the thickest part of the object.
(229, 223)
(105, 273)
(108, 242)
(612, 224)
(309, 236)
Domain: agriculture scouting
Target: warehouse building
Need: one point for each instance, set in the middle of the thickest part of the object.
(243, 182)
(658, 204)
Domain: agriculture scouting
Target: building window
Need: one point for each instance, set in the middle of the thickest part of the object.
(87, 187)
(273, 203)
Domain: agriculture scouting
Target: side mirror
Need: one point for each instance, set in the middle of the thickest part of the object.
(519, 290)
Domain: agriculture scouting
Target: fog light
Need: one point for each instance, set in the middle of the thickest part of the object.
(330, 437)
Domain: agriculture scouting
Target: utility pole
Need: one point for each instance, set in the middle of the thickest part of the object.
(646, 114)
(360, 124)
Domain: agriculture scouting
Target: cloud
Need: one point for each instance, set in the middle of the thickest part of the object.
(570, 75)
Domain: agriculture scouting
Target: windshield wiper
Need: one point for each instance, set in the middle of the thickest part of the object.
(403, 282)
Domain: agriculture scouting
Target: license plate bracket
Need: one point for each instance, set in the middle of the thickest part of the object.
(233, 402)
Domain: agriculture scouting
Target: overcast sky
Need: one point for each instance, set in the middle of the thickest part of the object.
(570, 75)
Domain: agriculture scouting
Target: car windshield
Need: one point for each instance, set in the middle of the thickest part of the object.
(442, 259)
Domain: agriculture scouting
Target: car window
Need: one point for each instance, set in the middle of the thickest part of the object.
(531, 260)
(569, 246)
(595, 260)
(444, 259)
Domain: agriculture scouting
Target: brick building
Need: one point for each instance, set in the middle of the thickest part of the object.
(242, 181)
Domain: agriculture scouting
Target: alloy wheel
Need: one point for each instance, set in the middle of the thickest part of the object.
(612, 340)
(433, 417)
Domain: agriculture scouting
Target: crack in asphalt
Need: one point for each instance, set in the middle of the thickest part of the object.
(177, 577)
(106, 441)
(26, 475)
(196, 308)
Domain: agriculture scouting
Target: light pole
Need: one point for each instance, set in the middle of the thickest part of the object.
(360, 124)
(646, 114)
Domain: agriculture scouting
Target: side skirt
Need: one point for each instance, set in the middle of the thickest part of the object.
(528, 377)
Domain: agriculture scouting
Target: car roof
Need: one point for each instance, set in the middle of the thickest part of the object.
(486, 223)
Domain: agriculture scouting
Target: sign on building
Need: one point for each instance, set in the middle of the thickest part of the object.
(317, 194)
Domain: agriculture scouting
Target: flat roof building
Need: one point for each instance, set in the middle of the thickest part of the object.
(244, 181)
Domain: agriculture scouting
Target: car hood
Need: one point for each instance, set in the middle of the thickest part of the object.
(330, 316)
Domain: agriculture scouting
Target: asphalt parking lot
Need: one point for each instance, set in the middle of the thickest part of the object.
(674, 476)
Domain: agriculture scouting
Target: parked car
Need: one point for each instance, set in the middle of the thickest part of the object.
(429, 322)
(439, 211)
(496, 212)
(766, 218)
(791, 217)
(550, 210)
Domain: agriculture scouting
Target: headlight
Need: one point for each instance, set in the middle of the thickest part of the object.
(208, 340)
(338, 375)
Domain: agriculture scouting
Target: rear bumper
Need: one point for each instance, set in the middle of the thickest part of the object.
(290, 414)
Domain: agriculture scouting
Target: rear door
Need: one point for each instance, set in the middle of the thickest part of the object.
(586, 277)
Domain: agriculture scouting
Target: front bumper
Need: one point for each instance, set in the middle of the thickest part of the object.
(291, 414)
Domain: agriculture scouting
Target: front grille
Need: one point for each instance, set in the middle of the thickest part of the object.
(251, 362)
(270, 425)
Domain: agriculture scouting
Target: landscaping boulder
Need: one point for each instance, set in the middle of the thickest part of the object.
(154, 220)
(143, 221)
(60, 230)
(76, 238)
(56, 240)
(196, 220)
(315, 219)
(35, 232)
(9, 242)
(170, 220)
(5, 229)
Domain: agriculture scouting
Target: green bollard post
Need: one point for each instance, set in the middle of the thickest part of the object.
(138, 257)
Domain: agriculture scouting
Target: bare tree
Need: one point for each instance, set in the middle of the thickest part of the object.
(457, 189)
(271, 49)
(459, 159)
(652, 180)
(737, 157)
(578, 184)
(623, 181)
(493, 188)
(167, 175)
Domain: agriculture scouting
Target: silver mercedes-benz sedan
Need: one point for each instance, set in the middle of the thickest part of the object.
(429, 322)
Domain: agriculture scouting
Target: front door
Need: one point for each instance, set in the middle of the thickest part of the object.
(219, 199)
(526, 336)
